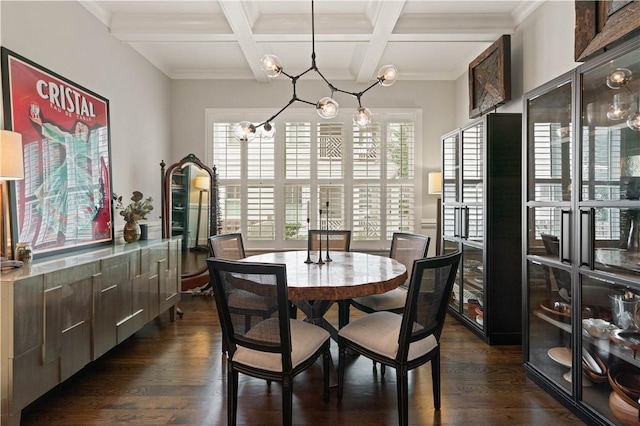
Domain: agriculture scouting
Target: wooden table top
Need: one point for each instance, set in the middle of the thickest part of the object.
(349, 275)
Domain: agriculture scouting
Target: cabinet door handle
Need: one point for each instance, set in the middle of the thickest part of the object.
(464, 219)
(565, 236)
(587, 237)
(456, 222)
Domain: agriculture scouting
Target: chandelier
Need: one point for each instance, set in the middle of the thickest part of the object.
(326, 107)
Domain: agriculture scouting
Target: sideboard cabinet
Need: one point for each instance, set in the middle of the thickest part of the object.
(581, 248)
(481, 194)
(60, 314)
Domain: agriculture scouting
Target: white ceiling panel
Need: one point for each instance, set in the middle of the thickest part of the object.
(225, 39)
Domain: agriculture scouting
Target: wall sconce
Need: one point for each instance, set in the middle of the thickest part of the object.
(435, 188)
(11, 168)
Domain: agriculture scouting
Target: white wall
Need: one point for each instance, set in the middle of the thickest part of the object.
(65, 38)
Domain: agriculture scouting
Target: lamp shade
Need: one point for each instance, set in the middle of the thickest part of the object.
(435, 183)
(202, 182)
(11, 162)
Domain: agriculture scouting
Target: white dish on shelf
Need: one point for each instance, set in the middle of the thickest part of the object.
(480, 319)
(561, 355)
(597, 328)
(591, 363)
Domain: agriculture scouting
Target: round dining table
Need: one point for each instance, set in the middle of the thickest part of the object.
(314, 287)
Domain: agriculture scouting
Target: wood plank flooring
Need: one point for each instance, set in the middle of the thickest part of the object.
(173, 373)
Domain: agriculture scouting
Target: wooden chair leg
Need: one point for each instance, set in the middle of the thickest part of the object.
(342, 352)
(287, 401)
(326, 355)
(435, 378)
(403, 395)
(232, 395)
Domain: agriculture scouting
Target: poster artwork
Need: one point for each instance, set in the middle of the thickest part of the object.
(63, 201)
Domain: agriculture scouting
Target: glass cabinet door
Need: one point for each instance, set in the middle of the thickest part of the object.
(473, 284)
(548, 221)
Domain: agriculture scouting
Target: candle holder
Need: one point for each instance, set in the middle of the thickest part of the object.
(320, 261)
(308, 244)
(328, 258)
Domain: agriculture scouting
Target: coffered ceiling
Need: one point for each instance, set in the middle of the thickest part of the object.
(225, 39)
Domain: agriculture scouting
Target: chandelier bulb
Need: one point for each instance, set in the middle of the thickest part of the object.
(362, 117)
(634, 121)
(271, 65)
(387, 75)
(245, 131)
(618, 78)
(268, 131)
(327, 108)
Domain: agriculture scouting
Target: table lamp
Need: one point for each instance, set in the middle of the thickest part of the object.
(11, 168)
(203, 183)
(435, 188)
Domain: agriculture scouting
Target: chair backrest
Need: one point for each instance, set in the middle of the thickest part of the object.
(226, 246)
(245, 280)
(339, 239)
(406, 247)
(551, 244)
(428, 295)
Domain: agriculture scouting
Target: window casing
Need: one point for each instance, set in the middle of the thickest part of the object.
(268, 188)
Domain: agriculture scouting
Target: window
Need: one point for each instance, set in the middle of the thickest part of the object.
(268, 188)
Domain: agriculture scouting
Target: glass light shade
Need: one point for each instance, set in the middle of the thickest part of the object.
(245, 131)
(634, 121)
(327, 108)
(618, 78)
(268, 130)
(622, 105)
(362, 117)
(387, 75)
(11, 160)
(271, 65)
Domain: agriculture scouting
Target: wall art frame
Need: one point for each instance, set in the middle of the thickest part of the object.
(602, 24)
(490, 78)
(64, 201)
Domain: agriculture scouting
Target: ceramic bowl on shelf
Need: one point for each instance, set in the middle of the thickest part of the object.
(626, 413)
(593, 367)
(629, 338)
(629, 376)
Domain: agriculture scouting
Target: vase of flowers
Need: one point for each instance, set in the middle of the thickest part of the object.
(133, 212)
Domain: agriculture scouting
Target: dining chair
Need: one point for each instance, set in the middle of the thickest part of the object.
(277, 348)
(405, 248)
(410, 340)
(231, 247)
(339, 239)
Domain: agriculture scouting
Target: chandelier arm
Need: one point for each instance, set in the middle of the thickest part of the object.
(370, 87)
(290, 76)
(292, 100)
(311, 68)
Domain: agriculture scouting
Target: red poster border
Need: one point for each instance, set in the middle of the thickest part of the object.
(67, 149)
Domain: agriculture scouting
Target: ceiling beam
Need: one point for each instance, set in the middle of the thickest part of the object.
(241, 24)
(388, 14)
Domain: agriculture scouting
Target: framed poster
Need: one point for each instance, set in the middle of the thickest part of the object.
(64, 201)
(490, 78)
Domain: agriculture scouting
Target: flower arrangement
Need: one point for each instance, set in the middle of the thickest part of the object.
(137, 209)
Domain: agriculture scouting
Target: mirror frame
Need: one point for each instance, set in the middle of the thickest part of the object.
(166, 197)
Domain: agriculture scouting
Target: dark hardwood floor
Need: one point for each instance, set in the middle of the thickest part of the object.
(173, 373)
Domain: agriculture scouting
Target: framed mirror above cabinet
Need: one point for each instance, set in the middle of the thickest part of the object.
(189, 210)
